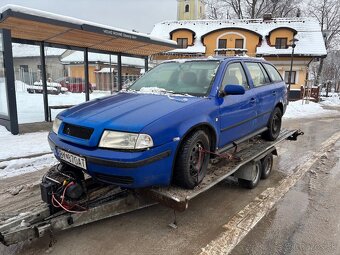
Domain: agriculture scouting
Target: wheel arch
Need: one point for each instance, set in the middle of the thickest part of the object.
(200, 126)
(280, 106)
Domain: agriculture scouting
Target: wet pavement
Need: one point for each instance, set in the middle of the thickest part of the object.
(307, 220)
(147, 232)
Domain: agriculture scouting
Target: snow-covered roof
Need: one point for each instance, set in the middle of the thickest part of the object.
(78, 56)
(59, 29)
(308, 33)
(24, 50)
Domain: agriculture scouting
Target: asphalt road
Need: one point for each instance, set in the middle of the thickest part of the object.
(147, 232)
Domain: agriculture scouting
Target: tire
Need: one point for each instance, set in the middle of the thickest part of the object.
(267, 166)
(253, 183)
(274, 125)
(188, 172)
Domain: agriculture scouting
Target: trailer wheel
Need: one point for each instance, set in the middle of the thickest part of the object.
(250, 184)
(274, 125)
(267, 166)
(191, 165)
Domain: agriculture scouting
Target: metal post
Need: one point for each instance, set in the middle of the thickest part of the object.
(146, 64)
(111, 85)
(86, 69)
(44, 80)
(119, 70)
(291, 67)
(10, 121)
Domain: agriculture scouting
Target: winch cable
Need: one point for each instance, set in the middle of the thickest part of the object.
(62, 204)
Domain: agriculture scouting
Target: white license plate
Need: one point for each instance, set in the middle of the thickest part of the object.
(72, 159)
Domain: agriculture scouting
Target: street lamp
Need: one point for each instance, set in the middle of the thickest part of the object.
(293, 41)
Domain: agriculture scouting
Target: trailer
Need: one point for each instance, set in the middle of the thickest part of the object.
(99, 201)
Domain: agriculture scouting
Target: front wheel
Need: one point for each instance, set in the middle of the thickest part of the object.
(191, 162)
(274, 125)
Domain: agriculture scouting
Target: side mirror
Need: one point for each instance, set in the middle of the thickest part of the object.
(234, 90)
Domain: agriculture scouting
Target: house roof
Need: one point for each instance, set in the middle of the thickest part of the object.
(78, 57)
(24, 50)
(308, 33)
(27, 24)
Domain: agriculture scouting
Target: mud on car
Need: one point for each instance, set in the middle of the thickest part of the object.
(152, 134)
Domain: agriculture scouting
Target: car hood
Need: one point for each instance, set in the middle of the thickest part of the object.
(129, 112)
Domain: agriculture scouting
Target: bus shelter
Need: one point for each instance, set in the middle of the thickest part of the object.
(29, 26)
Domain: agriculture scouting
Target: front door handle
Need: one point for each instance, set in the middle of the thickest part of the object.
(274, 93)
(252, 100)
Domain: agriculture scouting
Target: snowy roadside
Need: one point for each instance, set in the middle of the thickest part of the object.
(300, 109)
(25, 165)
(22, 145)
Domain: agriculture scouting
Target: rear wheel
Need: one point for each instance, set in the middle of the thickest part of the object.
(267, 166)
(192, 163)
(250, 184)
(274, 125)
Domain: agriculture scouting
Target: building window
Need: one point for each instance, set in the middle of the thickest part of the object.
(239, 43)
(187, 8)
(24, 68)
(281, 43)
(292, 78)
(222, 43)
(182, 42)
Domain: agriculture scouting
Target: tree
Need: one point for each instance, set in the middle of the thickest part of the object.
(251, 9)
(327, 12)
(331, 68)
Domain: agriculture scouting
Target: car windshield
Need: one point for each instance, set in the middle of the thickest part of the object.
(189, 77)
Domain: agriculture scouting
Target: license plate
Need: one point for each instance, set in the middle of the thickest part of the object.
(72, 159)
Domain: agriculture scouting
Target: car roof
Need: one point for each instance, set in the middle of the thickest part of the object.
(217, 58)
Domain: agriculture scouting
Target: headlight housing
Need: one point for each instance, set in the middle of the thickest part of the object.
(56, 125)
(124, 140)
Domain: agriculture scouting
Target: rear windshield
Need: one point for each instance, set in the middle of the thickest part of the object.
(190, 77)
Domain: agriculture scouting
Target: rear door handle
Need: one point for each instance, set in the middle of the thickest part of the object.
(274, 93)
(252, 100)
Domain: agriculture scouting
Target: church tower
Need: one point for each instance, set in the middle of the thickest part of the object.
(190, 9)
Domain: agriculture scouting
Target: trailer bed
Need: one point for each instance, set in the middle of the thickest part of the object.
(218, 170)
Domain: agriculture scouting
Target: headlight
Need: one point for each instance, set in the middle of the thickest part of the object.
(123, 140)
(56, 125)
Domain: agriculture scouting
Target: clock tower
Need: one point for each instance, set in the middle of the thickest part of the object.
(190, 9)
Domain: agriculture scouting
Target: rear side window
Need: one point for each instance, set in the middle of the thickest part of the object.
(235, 75)
(273, 73)
(256, 74)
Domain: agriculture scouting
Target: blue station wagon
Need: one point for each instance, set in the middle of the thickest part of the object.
(154, 132)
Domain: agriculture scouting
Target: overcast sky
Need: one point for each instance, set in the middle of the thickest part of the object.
(140, 15)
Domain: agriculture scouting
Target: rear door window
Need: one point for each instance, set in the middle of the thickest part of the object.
(259, 78)
(273, 73)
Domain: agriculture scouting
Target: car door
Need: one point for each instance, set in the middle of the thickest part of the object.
(237, 112)
(264, 91)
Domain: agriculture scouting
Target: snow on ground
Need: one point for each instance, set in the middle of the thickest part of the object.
(22, 145)
(306, 110)
(333, 100)
(31, 106)
(25, 165)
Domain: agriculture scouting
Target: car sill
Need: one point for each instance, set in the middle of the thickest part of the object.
(236, 142)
